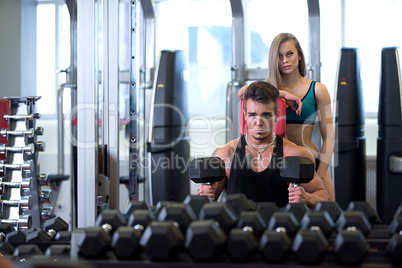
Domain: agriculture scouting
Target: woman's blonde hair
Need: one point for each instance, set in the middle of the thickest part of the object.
(274, 75)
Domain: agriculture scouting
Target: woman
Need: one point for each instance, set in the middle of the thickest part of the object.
(286, 71)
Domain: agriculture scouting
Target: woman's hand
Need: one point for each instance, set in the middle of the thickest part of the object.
(292, 101)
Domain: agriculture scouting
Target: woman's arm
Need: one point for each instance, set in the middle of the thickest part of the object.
(291, 100)
(324, 111)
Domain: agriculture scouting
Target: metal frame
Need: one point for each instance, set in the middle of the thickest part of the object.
(314, 40)
(87, 126)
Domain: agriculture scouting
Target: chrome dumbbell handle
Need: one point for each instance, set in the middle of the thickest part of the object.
(24, 222)
(27, 166)
(24, 185)
(23, 203)
(22, 116)
(28, 133)
(28, 149)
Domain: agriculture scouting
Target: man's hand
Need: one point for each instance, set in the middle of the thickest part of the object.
(297, 194)
(208, 190)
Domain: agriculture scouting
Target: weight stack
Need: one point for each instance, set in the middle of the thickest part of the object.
(22, 194)
(389, 141)
(168, 143)
(350, 142)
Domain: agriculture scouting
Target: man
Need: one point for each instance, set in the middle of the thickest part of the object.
(253, 161)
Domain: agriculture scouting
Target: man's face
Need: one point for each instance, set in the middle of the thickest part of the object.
(260, 118)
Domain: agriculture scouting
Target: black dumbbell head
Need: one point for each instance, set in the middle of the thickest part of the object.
(15, 237)
(205, 240)
(141, 217)
(207, 170)
(394, 249)
(253, 220)
(332, 208)
(298, 209)
(27, 251)
(161, 240)
(6, 228)
(59, 251)
(275, 245)
(93, 242)
(396, 225)
(297, 169)
(196, 202)
(239, 203)
(286, 220)
(353, 218)
(220, 212)
(350, 246)
(310, 245)
(181, 213)
(134, 205)
(320, 219)
(266, 209)
(112, 217)
(125, 242)
(57, 224)
(6, 248)
(241, 244)
(367, 209)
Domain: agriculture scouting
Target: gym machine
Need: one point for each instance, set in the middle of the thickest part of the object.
(168, 143)
(350, 144)
(389, 142)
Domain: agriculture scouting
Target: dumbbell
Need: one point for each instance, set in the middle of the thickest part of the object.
(394, 247)
(276, 241)
(162, 240)
(55, 229)
(27, 149)
(266, 210)
(95, 241)
(22, 116)
(196, 202)
(298, 209)
(333, 209)
(24, 185)
(310, 245)
(5, 247)
(134, 205)
(23, 222)
(207, 170)
(26, 166)
(205, 240)
(243, 241)
(222, 213)
(175, 215)
(29, 133)
(125, 241)
(350, 245)
(206, 237)
(23, 203)
(239, 203)
(181, 213)
(297, 169)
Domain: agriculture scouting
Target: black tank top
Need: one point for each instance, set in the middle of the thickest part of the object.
(265, 186)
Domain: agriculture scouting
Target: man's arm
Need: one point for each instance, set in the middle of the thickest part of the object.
(214, 190)
(309, 193)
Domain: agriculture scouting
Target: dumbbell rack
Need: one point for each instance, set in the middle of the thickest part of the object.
(21, 193)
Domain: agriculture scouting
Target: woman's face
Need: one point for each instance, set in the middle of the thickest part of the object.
(288, 57)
